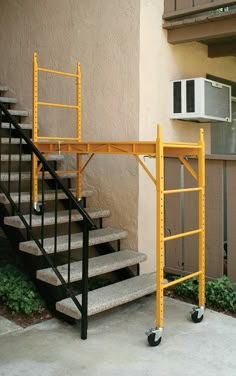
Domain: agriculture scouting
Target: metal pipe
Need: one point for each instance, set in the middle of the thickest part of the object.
(182, 279)
(188, 233)
(48, 104)
(57, 72)
(170, 191)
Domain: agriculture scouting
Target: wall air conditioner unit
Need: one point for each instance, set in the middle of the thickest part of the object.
(200, 100)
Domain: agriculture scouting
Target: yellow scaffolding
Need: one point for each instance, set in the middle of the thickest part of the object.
(36, 138)
(157, 149)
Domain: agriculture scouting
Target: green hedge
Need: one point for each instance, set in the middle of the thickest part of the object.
(18, 291)
(220, 293)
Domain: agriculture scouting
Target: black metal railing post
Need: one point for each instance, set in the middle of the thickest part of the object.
(1, 145)
(20, 170)
(84, 319)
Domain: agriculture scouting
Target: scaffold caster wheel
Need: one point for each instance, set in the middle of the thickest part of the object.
(38, 208)
(197, 314)
(152, 340)
(154, 336)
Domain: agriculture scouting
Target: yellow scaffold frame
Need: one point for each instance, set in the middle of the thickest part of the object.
(157, 149)
(36, 137)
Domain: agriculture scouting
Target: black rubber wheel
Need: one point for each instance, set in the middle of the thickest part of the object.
(151, 340)
(195, 318)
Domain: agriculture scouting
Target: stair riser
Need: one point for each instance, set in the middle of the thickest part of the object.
(15, 167)
(23, 185)
(14, 133)
(49, 231)
(14, 148)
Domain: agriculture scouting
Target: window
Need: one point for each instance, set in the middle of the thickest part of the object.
(223, 135)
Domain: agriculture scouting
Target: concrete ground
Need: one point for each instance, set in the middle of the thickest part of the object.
(117, 345)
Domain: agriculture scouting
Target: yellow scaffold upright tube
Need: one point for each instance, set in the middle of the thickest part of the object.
(35, 131)
(79, 133)
(201, 205)
(159, 228)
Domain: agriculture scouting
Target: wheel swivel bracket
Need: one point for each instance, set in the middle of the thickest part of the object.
(157, 331)
(38, 207)
(199, 310)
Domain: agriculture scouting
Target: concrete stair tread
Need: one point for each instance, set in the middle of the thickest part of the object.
(27, 157)
(8, 100)
(3, 88)
(12, 140)
(22, 125)
(49, 218)
(97, 266)
(98, 236)
(19, 113)
(111, 296)
(14, 176)
(48, 195)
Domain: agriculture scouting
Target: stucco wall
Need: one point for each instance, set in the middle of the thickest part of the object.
(161, 62)
(127, 65)
(104, 36)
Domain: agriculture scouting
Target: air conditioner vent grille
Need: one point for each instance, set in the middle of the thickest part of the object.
(201, 100)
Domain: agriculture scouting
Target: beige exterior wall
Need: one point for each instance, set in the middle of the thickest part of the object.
(127, 65)
(104, 36)
(161, 62)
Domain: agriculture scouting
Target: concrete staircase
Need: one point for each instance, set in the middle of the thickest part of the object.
(100, 299)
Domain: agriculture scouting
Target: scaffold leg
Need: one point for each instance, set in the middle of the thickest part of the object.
(37, 206)
(79, 177)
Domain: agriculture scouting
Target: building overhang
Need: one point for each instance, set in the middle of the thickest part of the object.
(217, 30)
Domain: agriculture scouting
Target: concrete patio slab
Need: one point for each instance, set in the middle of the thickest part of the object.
(117, 345)
(7, 326)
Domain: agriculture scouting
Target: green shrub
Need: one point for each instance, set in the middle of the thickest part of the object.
(188, 289)
(18, 291)
(220, 293)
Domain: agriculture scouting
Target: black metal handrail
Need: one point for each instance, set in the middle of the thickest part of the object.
(88, 224)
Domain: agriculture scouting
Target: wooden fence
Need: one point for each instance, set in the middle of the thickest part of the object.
(181, 215)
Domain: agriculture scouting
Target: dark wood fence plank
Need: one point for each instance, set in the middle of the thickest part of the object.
(231, 220)
(173, 259)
